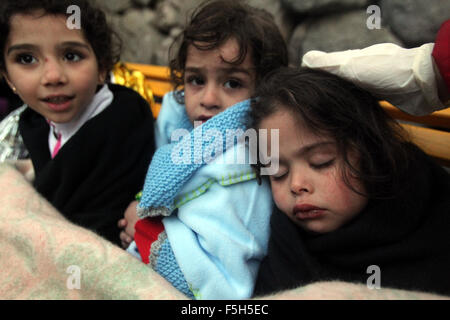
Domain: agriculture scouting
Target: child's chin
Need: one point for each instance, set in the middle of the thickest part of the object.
(61, 118)
(315, 227)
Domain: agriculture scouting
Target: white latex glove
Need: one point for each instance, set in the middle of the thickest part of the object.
(404, 77)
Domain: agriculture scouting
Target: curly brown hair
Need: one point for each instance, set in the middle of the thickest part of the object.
(331, 106)
(104, 41)
(214, 22)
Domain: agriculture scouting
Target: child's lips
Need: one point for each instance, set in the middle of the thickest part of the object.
(203, 119)
(58, 102)
(307, 211)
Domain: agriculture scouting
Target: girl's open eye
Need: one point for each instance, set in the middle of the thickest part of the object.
(195, 80)
(322, 165)
(233, 84)
(72, 56)
(25, 58)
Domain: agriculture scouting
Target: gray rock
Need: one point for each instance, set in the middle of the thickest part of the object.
(114, 6)
(335, 33)
(143, 3)
(295, 44)
(322, 6)
(148, 27)
(161, 52)
(136, 21)
(144, 48)
(140, 38)
(281, 16)
(174, 32)
(168, 16)
(174, 13)
(415, 21)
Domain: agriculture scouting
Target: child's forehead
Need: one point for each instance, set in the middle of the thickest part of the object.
(36, 17)
(292, 126)
(219, 63)
(38, 27)
(225, 54)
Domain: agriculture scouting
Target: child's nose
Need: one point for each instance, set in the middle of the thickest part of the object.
(53, 73)
(210, 98)
(301, 183)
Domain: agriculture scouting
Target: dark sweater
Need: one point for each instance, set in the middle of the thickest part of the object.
(406, 237)
(97, 173)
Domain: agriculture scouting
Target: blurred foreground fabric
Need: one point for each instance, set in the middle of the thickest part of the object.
(44, 256)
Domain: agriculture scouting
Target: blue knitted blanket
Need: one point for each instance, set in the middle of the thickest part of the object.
(174, 164)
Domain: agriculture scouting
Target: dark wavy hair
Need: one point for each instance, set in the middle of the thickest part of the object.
(333, 107)
(104, 41)
(214, 22)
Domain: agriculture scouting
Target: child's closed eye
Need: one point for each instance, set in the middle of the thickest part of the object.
(279, 175)
(322, 164)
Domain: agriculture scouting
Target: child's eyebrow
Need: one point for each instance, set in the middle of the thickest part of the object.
(220, 70)
(24, 46)
(236, 70)
(74, 44)
(302, 151)
(32, 47)
(192, 69)
(311, 147)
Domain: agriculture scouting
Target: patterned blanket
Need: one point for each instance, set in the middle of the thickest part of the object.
(44, 256)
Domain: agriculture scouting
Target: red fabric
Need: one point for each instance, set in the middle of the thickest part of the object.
(147, 231)
(441, 52)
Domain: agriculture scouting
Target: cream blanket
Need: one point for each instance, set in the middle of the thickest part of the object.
(43, 256)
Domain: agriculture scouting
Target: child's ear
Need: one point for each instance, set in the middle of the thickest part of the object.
(10, 84)
(102, 77)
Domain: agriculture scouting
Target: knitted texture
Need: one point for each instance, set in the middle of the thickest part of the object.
(167, 267)
(167, 173)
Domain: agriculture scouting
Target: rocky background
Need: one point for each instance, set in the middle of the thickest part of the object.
(148, 27)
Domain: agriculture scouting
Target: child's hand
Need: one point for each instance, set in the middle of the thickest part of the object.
(127, 224)
(25, 167)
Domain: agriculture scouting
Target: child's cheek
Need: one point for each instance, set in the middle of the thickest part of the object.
(335, 190)
(342, 197)
(281, 198)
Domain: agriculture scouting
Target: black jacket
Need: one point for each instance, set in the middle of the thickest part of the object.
(97, 173)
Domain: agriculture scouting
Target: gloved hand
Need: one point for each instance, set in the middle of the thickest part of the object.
(407, 78)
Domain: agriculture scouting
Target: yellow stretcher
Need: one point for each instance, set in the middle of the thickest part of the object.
(430, 132)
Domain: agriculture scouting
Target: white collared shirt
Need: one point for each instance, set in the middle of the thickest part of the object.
(100, 102)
